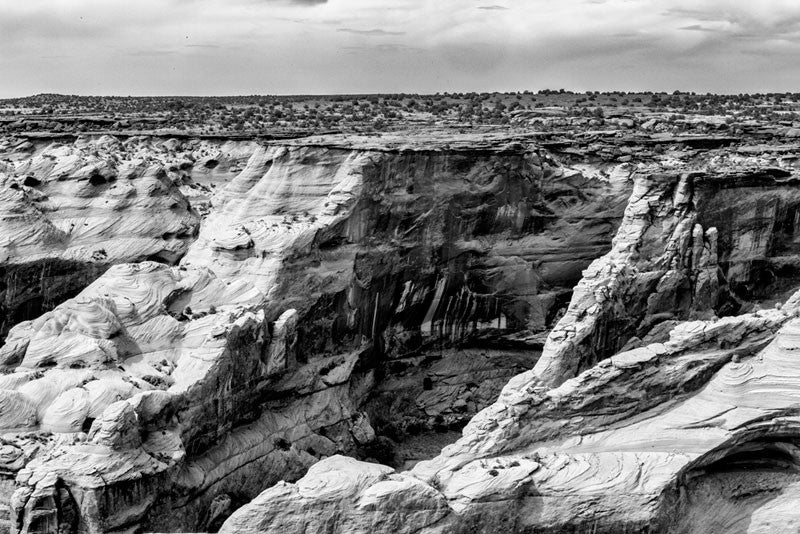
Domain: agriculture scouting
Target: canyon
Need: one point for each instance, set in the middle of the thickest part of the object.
(418, 331)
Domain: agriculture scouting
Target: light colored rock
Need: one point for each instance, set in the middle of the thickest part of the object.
(117, 427)
(373, 497)
(633, 441)
(69, 211)
(596, 452)
(298, 327)
(256, 355)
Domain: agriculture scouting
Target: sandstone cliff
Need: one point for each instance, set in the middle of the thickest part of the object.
(616, 337)
(70, 210)
(638, 416)
(324, 308)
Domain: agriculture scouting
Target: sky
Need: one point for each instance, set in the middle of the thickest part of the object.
(240, 47)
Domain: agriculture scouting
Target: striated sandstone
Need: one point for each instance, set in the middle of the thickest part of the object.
(633, 443)
(323, 270)
(69, 211)
(597, 440)
(368, 296)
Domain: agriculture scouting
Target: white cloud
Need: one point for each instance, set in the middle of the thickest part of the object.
(317, 46)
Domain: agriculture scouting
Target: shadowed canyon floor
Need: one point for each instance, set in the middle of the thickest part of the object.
(412, 332)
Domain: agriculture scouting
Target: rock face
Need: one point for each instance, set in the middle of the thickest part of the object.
(414, 250)
(618, 336)
(691, 245)
(597, 454)
(328, 276)
(656, 396)
(69, 211)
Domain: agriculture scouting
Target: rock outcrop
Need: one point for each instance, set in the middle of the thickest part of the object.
(329, 275)
(691, 245)
(70, 211)
(641, 442)
(617, 337)
(645, 408)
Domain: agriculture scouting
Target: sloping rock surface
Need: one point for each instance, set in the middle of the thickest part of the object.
(70, 211)
(663, 391)
(619, 336)
(327, 276)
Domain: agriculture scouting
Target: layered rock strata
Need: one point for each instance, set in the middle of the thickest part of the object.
(600, 437)
(69, 211)
(632, 444)
(325, 269)
(691, 245)
(363, 296)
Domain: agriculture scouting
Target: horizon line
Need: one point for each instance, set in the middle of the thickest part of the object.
(546, 91)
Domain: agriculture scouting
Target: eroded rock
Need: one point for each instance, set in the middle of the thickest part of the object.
(170, 387)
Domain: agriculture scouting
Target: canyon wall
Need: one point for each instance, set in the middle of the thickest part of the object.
(667, 387)
(616, 337)
(68, 211)
(341, 296)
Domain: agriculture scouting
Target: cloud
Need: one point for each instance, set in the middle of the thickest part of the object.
(148, 53)
(696, 14)
(294, 20)
(389, 47)
(326, 46)
(301, 3)
(697, 28)
(375, 32)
